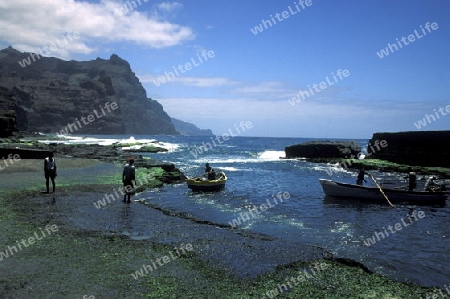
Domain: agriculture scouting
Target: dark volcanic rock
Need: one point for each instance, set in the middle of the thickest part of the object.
(146, 163)
(423, 148)
(323, 149)
(23, 153)
(47, 94)
(8, 112)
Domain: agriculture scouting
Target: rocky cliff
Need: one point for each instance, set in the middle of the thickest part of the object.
(189, 129)
(422, 148)
(9, 110)
(323, 150)
(51, 95)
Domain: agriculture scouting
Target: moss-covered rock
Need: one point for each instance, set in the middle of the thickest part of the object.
(386, 166)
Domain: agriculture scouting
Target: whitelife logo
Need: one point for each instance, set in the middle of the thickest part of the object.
(168, 76)
(411, 38)
(70, 37)
(281, 17)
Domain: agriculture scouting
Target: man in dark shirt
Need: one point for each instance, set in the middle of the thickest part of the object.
(360, 179)
(128, 176)
(50, 171)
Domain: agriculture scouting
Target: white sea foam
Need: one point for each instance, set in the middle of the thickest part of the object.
(109, 141)
(334, 168)
(260, 157)
(230, 169)
(272, 155)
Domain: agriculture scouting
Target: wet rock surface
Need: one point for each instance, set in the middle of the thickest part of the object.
(237, 252)
(323, 150)
(424, 148)
(97, 248)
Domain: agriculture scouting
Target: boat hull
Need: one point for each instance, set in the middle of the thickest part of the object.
(373, 194)
(203, 185)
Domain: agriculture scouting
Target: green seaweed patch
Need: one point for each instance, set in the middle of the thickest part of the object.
(387, 166)
(146, 178)
(71, 263)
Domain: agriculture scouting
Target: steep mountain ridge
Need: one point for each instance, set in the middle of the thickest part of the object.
(51, 95)
(187, 128)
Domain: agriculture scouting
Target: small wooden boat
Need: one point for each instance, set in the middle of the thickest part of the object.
(370, 194)
(205, 185)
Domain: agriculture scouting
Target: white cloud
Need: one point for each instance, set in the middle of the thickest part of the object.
(203, 82)
(170, 7)
(31, 24)
(191, 81)
(264, 90)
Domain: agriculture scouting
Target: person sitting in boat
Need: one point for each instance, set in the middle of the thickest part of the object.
(412, 177)
(360, 179)
(212, 174)
(207, 168)
(431, 184)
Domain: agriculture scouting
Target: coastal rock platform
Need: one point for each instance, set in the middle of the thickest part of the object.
(96, 249)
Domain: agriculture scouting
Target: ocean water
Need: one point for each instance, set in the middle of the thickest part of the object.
(295, 207)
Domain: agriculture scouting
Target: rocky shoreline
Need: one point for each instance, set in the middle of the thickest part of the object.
(29, 147)
(95, 251)
(90, 252)
(385, 155)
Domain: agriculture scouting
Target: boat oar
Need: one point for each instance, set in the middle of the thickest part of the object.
(381, 190)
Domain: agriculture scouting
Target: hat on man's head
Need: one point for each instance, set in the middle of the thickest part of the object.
(131, 160)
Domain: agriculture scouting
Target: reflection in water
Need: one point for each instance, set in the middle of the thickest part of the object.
(125, 219)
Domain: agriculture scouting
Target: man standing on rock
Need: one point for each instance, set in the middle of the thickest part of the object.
(50, 171)
(128, 176)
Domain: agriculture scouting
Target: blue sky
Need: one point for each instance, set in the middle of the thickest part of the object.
(251, 77)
